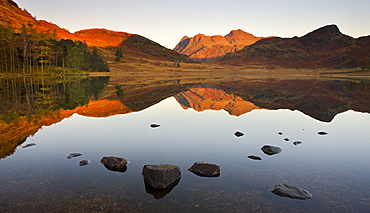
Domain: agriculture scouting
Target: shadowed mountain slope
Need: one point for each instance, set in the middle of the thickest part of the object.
(325, 47)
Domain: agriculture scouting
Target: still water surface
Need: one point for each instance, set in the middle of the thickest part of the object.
(333, 167)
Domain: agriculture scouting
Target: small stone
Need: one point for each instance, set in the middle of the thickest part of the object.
(286, 139)
(297, 143)
(280, 133)
(115, 163)
(160, 176)
(28, 145)
(72, 155)
(205, 169)
(322, 133)
(286, 190)
(253, 157)
(271, 150)
(238, 134)
(84, 162)
(154, 125)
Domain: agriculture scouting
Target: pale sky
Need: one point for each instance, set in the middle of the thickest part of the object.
(167, 21)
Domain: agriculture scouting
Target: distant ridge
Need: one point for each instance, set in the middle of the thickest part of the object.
(204, 48)
(325, 47)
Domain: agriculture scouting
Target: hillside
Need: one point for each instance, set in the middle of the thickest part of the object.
(204, 48)
(325, 47)
(134, 46)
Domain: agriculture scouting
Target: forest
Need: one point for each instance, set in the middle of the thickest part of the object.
(26, 51)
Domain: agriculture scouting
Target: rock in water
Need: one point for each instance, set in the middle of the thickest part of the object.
(271, 150)
(28, 145)
(84, 162)
(160, 176)
(297, 143)
(238, 134)
(115, 163)
(286, 190)
(205, 169)
(154, 125)
(72, 155)
(322, 133)
(254, 157)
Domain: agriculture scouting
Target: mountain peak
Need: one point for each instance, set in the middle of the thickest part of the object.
(204, 47)
(328, 30)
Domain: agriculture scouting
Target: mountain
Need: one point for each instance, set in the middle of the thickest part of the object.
(204, 48)
(133, 45)
(205, 97)
(325, 47)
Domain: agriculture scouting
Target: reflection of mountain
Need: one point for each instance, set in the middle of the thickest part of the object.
(322, 100)
(319, 99)
(205, 97)
(17, 131)
(28, 104)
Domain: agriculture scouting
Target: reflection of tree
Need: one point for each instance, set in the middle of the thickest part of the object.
(119, 92)
(25, 102)
(35, 96)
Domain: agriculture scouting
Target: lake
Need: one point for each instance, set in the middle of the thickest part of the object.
(43, 120)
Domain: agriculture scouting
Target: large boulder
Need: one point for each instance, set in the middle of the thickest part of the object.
(286, 190)
(160, 176)
(115, 163)
(271, 150)
(205, 169)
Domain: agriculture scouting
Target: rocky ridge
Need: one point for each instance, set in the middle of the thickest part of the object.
(205, 48)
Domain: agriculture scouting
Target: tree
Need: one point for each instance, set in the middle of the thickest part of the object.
(119, 54)
(97, 62)
(75, 58)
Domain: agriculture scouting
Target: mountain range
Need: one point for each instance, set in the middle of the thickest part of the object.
(206, 48)
(325, 47)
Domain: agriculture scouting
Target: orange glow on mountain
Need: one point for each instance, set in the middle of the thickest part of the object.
(15, 133)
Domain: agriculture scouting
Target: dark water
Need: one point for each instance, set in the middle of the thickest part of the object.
(40, 178)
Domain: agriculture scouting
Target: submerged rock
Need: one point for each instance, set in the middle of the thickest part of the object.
(238, 134)
(84, 162)
(271, 150)
(160, 176)
(28, 145)
(160, 193)
(286, 190)
(154, 125)
(322, 133)
(297, 143)
(115, 163)
(72, 155)
(253, 157)
(205, 169)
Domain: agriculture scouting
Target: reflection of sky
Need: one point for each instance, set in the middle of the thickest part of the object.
(186, 136)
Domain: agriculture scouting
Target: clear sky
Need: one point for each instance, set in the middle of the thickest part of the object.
(167, 21)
